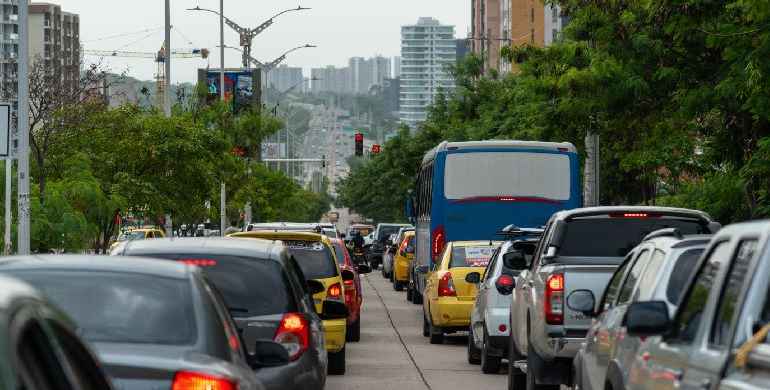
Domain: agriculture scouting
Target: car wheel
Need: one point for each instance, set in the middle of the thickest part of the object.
(337, 362)
(391, 276)
(354, 331)
(398, 286)
(425, 326)
(409, 293)
(436, 334)
(474, 356)
(416, 296)
(531, 380)
(517, 380)
(489, 364)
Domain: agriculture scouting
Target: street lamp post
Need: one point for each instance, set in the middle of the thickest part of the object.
(22, 129)
(247, 34)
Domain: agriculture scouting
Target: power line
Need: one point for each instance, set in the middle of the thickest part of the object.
(123, 35)
(137, 41)
(189, 41)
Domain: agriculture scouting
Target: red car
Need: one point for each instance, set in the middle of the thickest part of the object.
(353, 293)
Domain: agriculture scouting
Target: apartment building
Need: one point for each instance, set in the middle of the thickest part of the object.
(522, 23)
(330, 79)
(485, 31)
(284, 78)
(428, 48)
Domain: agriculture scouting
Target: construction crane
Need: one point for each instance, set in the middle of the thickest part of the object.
(160, 60)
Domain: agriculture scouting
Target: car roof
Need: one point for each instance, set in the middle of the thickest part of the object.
(137, 265)
(602, 210)
(281, 235)
(14, 289)
(257, 248)
(490, 144)
(675, 242)
(475, 243)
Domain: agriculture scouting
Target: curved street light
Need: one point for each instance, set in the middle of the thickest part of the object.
(246, 34)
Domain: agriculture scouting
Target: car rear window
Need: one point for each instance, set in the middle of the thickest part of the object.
(615, 237)
(386, 231)
(339, 251)
(121, 307)
(250, 286)
(314, 258)
(471, 256)
(680, 274)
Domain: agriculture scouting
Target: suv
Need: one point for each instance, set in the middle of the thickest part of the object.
(381, 235)
(488, 333)
(718, 335)
(580, 250)
(657, 270)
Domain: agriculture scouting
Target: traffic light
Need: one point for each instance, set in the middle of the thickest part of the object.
(376, 149)
(359, 145)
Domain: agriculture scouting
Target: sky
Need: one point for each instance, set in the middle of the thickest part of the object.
(341, 29)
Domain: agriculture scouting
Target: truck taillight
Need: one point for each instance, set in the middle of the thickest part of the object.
(554, 299)
(437, 242)
(187, 380)
(446, 286)
(294, 334)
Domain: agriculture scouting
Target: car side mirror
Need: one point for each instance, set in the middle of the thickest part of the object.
(409, 250)
(421, 269)
(348, 275)
(315, 287)
(473, 278)
(333, 310)
(268, 354)
(364, 269)
(550, 253)
(582, 301)
(644, 319)
(714, 227)
(515, 261)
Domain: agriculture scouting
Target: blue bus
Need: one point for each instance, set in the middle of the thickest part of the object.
(471, 190)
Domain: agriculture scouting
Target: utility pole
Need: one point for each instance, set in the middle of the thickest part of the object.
(167, 45)
(23, 129)
(592, 174)
(8, 173)
(223, 189)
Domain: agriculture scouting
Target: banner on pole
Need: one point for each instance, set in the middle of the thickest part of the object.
(5, 129)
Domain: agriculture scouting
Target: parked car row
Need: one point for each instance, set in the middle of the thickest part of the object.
(262, 309)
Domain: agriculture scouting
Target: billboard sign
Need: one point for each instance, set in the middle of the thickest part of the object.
(242, 87)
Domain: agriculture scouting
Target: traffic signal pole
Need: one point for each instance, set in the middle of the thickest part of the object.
(223, 189)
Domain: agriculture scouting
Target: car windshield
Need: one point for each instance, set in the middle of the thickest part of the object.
(121, 307)
(471, 256)
(314, 258)
(615, 237)
(250, 286)
(386, 231)
(339, 252)
(130, 236)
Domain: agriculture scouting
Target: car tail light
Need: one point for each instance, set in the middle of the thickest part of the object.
(505, 284)
(293, 334)
(402, 247)
(502, 328)
(446, 286)
(437, 242)
(187, 380)
(199, 262)
(334, 292)
(554, 299)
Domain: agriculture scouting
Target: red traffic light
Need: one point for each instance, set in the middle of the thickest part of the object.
(376, 149)
(359, 137)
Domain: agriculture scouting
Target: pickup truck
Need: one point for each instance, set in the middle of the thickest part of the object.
(717, 339)
(579, 251)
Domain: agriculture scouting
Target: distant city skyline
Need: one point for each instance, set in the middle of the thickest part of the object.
(332, 25)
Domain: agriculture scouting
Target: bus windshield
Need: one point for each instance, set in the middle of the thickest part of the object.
(501, 174)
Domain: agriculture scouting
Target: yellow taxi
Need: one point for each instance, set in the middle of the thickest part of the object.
(448, 298)
(316, 258)
(138, 234)
(402, 261)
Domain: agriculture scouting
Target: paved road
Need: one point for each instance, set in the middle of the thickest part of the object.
(393, 354)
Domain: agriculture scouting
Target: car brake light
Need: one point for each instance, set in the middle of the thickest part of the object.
(554, 299)
(402, 247)
(294, 334)
(505, 284)
(334, 292)
(199, 262)
(446, 286)
(437, 242)
(187, 380)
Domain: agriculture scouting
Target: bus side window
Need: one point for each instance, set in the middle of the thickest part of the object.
(430, 187)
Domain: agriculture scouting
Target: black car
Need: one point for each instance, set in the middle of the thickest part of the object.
(153, 324)
(266, 292)
(41, 346)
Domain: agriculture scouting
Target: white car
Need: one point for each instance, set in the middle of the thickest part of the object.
(488, 333)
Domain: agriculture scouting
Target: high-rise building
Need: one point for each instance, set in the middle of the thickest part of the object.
(284, 78)
(396, 67)
(462, 48)
(54, 40)
(330, 79)
(391, 88)
(522, 23)
(555, 22)
(485, 31)
(380, 68)
(428, 48)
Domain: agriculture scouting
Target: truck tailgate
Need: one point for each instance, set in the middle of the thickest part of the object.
(593, 277)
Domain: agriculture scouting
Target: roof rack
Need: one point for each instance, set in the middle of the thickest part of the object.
(667, 232)
(515, 231)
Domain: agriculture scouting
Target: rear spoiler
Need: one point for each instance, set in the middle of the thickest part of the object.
(511, 231)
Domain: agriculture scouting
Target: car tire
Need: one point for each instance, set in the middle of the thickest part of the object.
(398, 286)
(416, 296)
(436, 334)
(425, 326)
(531, 380)
(409, 293)
(489, 364)
(474, 355)
(354, 331)
(517, 380)
(337, 362)
(391, 276)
